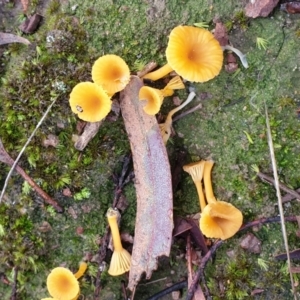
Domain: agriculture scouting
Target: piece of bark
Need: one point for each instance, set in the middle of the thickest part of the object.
(220, 33)
(260, 8)
(291, 7)
(90, 130)
(154, 219)
(8, 38)
(251, 243)
(31, 24)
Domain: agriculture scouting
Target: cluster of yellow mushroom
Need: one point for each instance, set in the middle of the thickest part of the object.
(219, 219)
(62, 284)
(193, 53)
(91, 101)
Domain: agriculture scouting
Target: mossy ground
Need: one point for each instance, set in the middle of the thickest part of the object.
(230, 128)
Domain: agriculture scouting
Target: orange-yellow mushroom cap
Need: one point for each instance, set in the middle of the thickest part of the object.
(90, 102)
(220, 220)
(62, 284)
(194, 53)
(111, 72)
(153, 98)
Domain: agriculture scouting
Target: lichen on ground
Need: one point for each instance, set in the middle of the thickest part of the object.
(230, 129)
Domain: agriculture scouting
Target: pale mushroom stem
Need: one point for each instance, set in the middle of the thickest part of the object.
(161, 72)
(112, 218)
(165, 128)
(200, 194)
(81, 270)
(210, 197)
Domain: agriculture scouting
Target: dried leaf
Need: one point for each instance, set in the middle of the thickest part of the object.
(154, 220)
(8, 38)
(251, 243)
(260, 8)
(25, 4)
(293, 255)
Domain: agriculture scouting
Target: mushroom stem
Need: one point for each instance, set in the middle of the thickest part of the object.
(210, 197)
(161, 72)
(112, 218)
(120, 260)
(174, 84)
(81, 270)
(239, 54)
(186, 102)
(165, 128)
(200, 194)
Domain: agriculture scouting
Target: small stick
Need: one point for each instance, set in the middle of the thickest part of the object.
(14, 286)
(147, 69)
(90, 130)
(200, 272)
(6, 158)
(270, 180)
(24, 147)
(187, 112)
(175, 287)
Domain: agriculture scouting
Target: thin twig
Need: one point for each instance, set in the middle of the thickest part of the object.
(280, 205)
(200, 272)
(15, 284)
(187, 112)
(282, 186)
(175, 287)
(23, 149)
(5, 158)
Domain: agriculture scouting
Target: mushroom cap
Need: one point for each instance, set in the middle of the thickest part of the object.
(220, 220)
(120, 263)
(154, 98)
(195, 169)
(194, 53)
(90, 102)
(62, 284)
(111, 72)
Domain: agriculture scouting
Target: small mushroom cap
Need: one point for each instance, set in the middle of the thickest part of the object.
(220, 220)
(154, 98)
(194, 53)
(111, 72)
(62, 284)
(120, 263)
(90, 102)
(195, 169)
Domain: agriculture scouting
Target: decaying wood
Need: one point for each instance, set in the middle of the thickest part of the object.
(90, 130)
(154, 219)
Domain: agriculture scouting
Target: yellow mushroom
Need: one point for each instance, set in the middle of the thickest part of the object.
(196, 170)
(62, 284)
(193, 53)
(90, 102)
(154, 97)
(111, 72)
(210, 197)
(165, 128)
(220, 220)
(120, 261)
